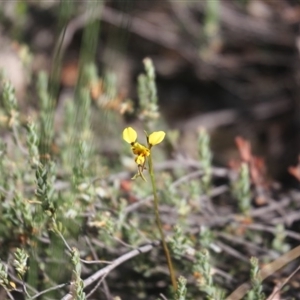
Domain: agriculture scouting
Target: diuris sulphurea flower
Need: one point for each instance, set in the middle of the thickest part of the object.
(141, 151)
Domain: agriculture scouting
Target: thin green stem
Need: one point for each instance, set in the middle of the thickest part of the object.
(159, 224)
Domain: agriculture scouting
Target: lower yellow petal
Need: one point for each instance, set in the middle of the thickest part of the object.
(140, 160)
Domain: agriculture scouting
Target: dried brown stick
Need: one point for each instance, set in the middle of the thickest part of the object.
(278, 288)
(226, 117)
(265, 272)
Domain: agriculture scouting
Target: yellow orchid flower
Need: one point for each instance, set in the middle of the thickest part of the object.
(141, 151)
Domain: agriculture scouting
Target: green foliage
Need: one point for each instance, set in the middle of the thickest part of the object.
(256, 293)
(211, 31)
(181, 290)
(206, 237)
(212, 18)
(279, 242)
(78, 282)
(241, 189)
(9, 99)
(20, 262)
(32, 144)
(44, 190)
(148, 100)
(205, 157)
(4, 281)
(46, 115)
(179, 243)
(205, 282)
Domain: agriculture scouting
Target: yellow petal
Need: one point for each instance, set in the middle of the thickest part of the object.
(156, 137)
(13, 285)
(129, 135)
(140, 160)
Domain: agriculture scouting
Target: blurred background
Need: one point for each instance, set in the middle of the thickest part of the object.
(230, 66)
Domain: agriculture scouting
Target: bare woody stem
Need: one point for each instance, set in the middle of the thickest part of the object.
(159, 224)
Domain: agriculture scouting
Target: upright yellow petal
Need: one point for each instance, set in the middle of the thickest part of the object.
(156, 137)
(129, 135)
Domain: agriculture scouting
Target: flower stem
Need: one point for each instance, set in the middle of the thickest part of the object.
(159, 224)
